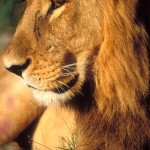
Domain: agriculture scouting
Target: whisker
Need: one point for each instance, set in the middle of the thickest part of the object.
(65, 75)
(63, 84)
(73, 65)
(59, 87)
(62, 88)
(69, 65)
(70, 73)
(80, 93)
(56, 87)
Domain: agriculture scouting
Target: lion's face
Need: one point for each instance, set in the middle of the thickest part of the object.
(54, 43)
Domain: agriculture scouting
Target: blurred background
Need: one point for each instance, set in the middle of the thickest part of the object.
(10, 13)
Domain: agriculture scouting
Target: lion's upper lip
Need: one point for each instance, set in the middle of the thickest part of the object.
(65, 87)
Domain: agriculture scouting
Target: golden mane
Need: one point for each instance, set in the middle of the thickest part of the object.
(122, 81)
(122, 63)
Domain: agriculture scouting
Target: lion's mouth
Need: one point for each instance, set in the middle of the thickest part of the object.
(65, 87)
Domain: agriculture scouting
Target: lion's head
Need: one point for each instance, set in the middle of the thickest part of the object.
(52, 47)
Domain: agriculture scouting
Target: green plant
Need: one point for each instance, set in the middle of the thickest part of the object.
(10, 13)
(68, 143)
(6, 7)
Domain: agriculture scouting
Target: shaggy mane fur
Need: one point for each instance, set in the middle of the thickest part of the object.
(119, 118)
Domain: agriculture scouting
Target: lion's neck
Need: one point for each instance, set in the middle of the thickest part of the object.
(94, 129)
(83, 101)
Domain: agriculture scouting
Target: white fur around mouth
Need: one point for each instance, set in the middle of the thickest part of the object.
(58, 95)
(46, 98)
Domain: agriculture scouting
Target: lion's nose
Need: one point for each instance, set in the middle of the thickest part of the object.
(18, 69)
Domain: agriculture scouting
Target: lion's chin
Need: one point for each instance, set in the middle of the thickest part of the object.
(46, 98)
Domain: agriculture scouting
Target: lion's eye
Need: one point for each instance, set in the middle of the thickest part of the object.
(55, 4)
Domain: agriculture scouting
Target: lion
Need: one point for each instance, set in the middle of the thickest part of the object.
(91, 58)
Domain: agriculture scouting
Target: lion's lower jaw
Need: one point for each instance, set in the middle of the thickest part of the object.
(45, 98)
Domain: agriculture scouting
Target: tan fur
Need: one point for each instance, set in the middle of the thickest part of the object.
(18, 109)
(106, 42)
(55, 129)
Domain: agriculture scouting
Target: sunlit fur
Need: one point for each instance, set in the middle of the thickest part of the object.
(112, 38)
(122, 64)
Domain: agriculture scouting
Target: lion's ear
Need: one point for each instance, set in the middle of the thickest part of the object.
(122, 63)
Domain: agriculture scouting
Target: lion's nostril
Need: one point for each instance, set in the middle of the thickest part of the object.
(18, 69)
